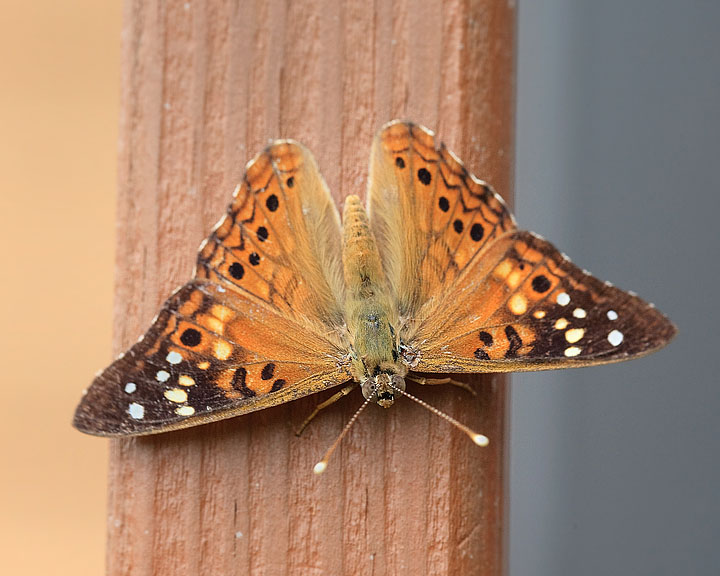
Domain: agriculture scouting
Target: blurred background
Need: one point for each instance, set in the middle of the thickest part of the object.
(614, 470)
(59, 98)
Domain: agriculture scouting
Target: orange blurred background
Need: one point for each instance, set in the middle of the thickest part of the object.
(59, 100)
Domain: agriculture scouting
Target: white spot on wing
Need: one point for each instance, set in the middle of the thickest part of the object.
(184, 410)
(612, 315)
(130, 387)
(136, 411)
(579, 313)
(176, 395)
(162, 376)
(563, 299)
(572, 351)
(174, 357)
(574, 334)
(615, 337)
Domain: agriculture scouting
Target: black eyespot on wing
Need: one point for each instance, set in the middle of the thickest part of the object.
(272, 202)
(290, 182)
(262, 234)
(458, 226)
(399, 162)
(486, 338)
(424, 176)
(480, 354)
(191, 337)
(238, 382)
(254, 259)
(443, 204)
(477, 232)
(279, 383)
(236, 270)
(267, 371)
(540, 284)
(514, 340)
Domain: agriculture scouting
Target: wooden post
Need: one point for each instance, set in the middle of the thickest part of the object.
(205, 85)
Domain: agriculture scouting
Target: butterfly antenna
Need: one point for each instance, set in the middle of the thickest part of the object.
(320, 467)
(479, 439)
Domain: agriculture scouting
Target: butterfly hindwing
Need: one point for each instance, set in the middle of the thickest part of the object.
(430, 216)
(280, 239)
(208, 355)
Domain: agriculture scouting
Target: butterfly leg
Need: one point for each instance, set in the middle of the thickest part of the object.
(334, 398)
(434, 381)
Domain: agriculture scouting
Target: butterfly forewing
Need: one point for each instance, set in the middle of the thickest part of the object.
(208, 355)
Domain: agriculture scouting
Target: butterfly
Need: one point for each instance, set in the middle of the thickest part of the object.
(287, 301)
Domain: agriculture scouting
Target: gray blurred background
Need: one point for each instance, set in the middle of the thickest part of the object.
(615, 470)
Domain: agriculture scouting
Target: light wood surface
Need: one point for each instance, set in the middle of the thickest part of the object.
(205, 85)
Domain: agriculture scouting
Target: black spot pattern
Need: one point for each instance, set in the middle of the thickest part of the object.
(477, 232)
(262, 234)
(514, 340)
(236, 270)
(272, 202)
(268, 371)
(424, 176)
(444, 204)
(238, 382)
(486, 338)
(399, 162)
(279, 383)
(254, 259)
(540, 284)
(480, 354)
(191, 337)
(291, 182)
(458, 226)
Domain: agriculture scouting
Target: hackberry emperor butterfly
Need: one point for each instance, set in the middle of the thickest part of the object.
(286, 303)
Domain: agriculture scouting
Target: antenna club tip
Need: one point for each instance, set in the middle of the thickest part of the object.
(320, 467)
(480, 440)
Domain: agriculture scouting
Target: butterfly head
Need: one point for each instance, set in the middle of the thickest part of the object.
(383, 388)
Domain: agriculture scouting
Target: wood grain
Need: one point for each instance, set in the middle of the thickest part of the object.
(205, 85)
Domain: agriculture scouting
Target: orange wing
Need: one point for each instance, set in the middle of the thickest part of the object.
(476, 294)
(260, 325)
(430, 216)
(280, 242)
(210, 354)
(525, 306)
